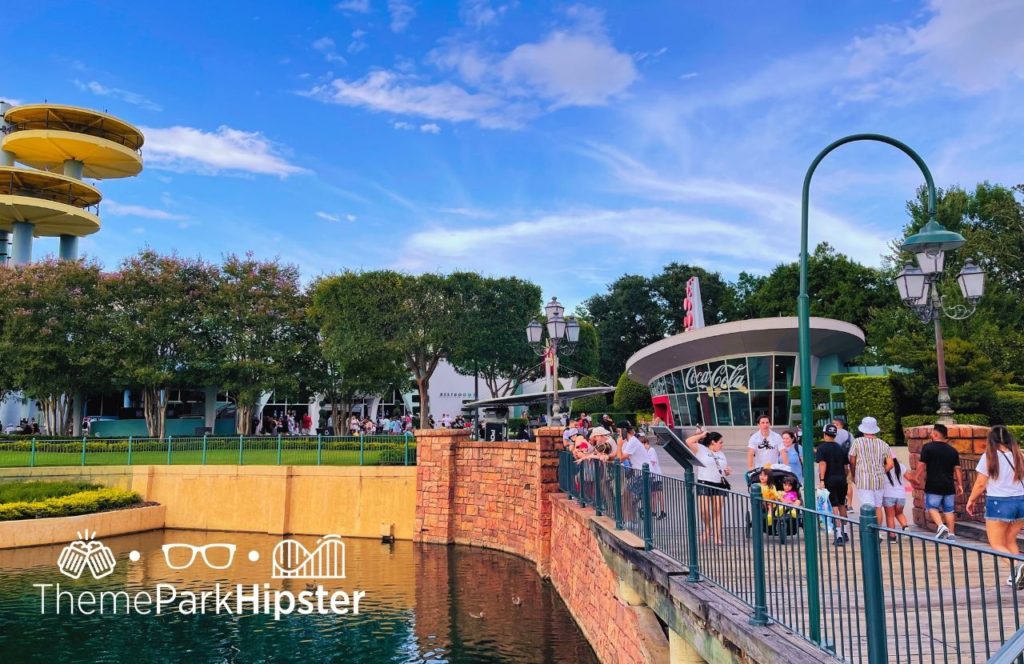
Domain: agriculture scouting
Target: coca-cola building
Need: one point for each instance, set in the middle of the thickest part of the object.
(727, 375)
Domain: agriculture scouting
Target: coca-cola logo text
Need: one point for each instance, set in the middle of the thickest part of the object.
(723, 377)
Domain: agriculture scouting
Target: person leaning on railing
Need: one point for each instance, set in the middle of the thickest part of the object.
(711, 479)
(1001, 476)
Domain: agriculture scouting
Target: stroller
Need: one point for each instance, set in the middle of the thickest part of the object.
(776, 519)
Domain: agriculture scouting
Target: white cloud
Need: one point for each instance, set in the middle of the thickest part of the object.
(473, 213)
(127, 96)
(350, 217)
(187, 149)
(402, 13)
(478, 14)
(11, 100)
(359, 6)
(116, 209)
(688, 75)
(326, 47)
(404, 126)
(326, 216)
(394, 93)
(430, 128)
(570, 70)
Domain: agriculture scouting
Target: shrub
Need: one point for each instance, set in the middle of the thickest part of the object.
(84, 502)
(820, 396)
(36, 491)
(1008, 407)
(908, 421)
(872, 396)
(631, 395)
(395, 456)
(591, 404)
(837, 379)
(1018, 432)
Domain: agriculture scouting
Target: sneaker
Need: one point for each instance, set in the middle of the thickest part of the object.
(942, 532)
(951, 537)
(846, 536)
(661, 516)
(840, 541)
(1018, 577)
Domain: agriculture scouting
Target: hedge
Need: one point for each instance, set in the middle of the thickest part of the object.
(631, 395)
(1018, 432)
(85, 502)
(593, 403)
(1008, 407)
(31, 492)
(837, 379)
(908, 421)
(872, 396)
(819, 395)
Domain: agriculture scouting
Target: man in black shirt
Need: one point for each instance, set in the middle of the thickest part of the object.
(832, 464)
(941, 463)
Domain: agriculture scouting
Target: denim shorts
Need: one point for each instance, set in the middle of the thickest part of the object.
(938, 501)
(893, 502)
(1008, 509)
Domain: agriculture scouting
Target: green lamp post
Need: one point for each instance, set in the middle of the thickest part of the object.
(931, 234)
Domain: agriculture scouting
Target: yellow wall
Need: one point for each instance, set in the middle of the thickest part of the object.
(350, 501)
(36, 532)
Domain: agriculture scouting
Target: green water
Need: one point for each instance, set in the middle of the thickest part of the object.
(422, 603)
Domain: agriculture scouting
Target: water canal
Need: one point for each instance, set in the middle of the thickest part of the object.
(422, 603)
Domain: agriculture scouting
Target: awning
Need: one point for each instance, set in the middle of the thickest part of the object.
(536, 397)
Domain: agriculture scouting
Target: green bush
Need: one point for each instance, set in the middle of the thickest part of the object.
(591, 404)
(908, 421)
(396, 456)
(85, 502)
(631, 395)
(31, 492)
(1008, 407)
(820, 396)
(837, 379)
(872, 396)
(1018, 432)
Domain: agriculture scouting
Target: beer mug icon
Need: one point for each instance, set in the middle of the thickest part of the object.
(86, 552)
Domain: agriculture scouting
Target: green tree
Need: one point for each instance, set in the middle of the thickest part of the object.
(159, 328)
(52, 327)
(972, 379)
(379, 315)
(631, 396)
(718, 296)
(492, 317)
(627, 318)
(585, 360)
(592, 404)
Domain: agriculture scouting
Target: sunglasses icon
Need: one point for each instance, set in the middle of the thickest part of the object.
(216, 556)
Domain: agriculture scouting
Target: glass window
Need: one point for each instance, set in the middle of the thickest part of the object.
(760, 404)
(780, 408)
(783, 375)
(677, 382)
(723, 415)
(680, 411)
(760, 370)
(697, 414)
(741, 409)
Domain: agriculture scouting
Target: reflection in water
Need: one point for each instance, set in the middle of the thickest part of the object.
(423, 603)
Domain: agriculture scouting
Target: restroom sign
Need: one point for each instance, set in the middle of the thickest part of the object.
(693, 308)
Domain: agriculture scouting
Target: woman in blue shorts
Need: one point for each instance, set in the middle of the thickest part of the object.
(1001, 475)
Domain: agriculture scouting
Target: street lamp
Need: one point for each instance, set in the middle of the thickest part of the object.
(563, 334)
(918, 287)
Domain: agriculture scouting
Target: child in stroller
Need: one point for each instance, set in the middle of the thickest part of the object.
(778, 485)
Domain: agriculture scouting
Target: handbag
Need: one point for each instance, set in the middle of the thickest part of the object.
(724, 483)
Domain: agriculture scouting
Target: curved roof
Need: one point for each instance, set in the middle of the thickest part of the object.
(47, 185)
(744, 337)
(537, 397)
(48, 149)
(50, 218)
(75, 118)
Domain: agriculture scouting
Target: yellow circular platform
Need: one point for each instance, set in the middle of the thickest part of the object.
(50, 218)
(50, 186)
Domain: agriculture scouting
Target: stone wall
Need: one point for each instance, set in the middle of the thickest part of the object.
(490, 494)
(969, 441)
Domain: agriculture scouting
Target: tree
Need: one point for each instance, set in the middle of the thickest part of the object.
(972, 379)
(255, 315)
(627, 318)
(492, 315)
(379, 315)
(718, 296)
(631, 396)
(591, 404)
(52, 327)
(159, 328)
(585, 360)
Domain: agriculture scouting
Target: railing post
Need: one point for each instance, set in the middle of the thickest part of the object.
(690, 484)
(760, 616)
(279, 449)
(874, 602)
(129, 450)
(406, 436)
(240, 439)
(204, 449)
(84, 439)
(168, 450)
(582, 470)
(618, 495)
(32, 454)
(360, 448)
(598, 479)
(319, 449)
(645, 502)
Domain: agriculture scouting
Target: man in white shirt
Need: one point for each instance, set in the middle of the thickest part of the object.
(630, 447)
(764, 445)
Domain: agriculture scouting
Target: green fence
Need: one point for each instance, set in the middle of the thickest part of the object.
(211, 450)
(884, 594)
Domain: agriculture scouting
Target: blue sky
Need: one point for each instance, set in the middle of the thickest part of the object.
(565, 143)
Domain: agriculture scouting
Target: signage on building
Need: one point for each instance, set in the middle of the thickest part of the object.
(693, 307)
(723, 378)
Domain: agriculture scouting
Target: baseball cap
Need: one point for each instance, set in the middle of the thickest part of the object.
(624, 424)
(569, 433)
(831, 430)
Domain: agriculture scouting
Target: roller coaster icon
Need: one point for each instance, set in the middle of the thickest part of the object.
(292, 560)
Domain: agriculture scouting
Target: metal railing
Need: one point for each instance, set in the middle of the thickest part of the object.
(885, 595)
(129, 140)
(360, 450)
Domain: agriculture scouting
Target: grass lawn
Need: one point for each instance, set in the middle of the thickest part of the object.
(253, 457)
(38, 491)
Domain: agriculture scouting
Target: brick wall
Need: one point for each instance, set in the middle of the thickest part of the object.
(490, 494)
(969, 441)
(590, 588)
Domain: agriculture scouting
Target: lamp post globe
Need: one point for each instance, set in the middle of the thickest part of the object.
(554, 308)
(534, 331)
(911, 283)
(972, 281)
(572, 330)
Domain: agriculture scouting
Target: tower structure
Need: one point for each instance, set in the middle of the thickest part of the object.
(45, 151)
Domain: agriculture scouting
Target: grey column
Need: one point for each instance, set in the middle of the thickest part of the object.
(73, 168)
(21, 249)
(211, 408)
(6, 158)
(68, 248)
(76, 414)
